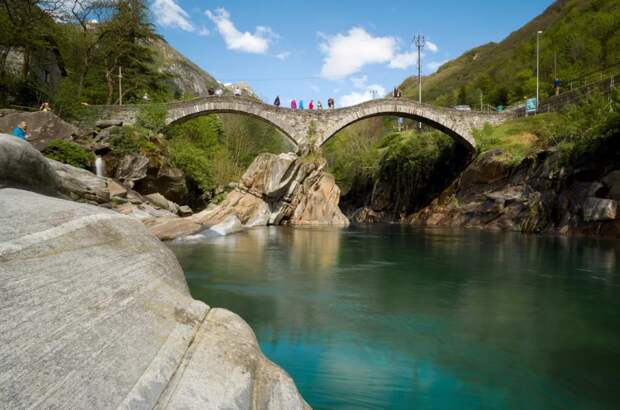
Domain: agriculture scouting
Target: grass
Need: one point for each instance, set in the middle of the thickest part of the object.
(521, 136)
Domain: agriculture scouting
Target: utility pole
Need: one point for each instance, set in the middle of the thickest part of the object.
(120, 85)
(481, 101)
(419, 43)
(538, 33)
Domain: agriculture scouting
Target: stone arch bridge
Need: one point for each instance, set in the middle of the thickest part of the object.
(315, 127)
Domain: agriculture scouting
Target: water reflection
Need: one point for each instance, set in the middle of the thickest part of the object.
(391, 317)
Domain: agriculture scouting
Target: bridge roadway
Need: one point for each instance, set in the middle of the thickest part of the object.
(316, 127)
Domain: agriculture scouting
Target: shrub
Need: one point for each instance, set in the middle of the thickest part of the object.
(69, 153)
(152, 117)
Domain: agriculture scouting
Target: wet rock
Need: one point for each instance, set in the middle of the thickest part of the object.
(367, 215)
(22, 166)
(229, 225)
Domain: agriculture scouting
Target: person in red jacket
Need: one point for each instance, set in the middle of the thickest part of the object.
(311, 105)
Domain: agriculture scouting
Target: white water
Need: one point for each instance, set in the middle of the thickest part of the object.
(99, 167)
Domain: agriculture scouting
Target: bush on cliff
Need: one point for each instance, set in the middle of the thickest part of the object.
(69, 153)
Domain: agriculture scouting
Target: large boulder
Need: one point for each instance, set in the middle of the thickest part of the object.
(131, 168)
(318, 203)
(80, 184)
(96, 313)
(166, 180)
(43, 127)
(22, 166)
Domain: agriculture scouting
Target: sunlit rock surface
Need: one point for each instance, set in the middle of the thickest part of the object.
(96, 314)
(275, 190)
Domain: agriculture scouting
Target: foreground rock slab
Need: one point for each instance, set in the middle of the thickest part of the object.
(96, 314)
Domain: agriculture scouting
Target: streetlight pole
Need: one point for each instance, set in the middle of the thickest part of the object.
(419, 43)
(538, 33)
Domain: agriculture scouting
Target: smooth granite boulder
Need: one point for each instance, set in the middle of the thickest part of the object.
(96, 314)
(22, 166)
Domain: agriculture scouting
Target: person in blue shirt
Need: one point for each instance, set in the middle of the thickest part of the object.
(21, 131)
(301, 104)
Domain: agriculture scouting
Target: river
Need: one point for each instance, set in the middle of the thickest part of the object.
(392, 317)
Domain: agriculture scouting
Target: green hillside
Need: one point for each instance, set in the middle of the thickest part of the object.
(579, 36)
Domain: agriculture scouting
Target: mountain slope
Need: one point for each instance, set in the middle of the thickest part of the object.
(580, 36)
(186, 77)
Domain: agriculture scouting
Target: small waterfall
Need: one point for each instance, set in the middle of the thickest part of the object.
(99, 167)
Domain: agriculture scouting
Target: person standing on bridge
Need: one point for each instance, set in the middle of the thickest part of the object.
(301, 104)
(293, 104)
(311, 105)
(319, 106)
(276, 102)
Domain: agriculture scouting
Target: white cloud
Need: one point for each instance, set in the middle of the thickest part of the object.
(404, 60)
(314, 88)
(283, 55)
(346, 54)
(357, 97)
(204, 32)
(432, 47)
(434, 65)
(169, 14)
(360, 82)
(257, 43)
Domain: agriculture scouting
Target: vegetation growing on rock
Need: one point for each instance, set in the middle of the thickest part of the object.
(69, 153)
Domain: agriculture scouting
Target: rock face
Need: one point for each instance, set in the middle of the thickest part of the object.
(275, 190)
(22, 166)
(535, 195)
(279, 190)
(96, 314)
(44, 126)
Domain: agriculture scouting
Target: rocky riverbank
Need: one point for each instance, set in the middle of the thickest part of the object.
(97, 312)
(538, 194)
(275, 190)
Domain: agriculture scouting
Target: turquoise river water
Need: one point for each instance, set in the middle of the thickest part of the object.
(390, 317)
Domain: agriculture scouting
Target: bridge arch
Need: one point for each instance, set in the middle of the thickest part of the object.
(179, 112)
(456, 124)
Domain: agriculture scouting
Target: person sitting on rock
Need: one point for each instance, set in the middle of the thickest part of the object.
(21, 131)
(45, 107)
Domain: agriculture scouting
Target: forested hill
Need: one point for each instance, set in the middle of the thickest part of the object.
(579, 36)
(72, 56)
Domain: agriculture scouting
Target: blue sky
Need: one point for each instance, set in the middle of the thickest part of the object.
(340, 48)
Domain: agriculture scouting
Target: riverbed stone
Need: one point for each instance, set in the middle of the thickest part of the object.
(96, 314)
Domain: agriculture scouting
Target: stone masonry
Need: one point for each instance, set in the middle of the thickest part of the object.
(315, 127)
